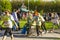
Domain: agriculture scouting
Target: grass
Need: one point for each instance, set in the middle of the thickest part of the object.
(48, 25)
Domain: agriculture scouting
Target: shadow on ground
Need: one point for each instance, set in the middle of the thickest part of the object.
(18, 35)
(57, 32)
(36, 37)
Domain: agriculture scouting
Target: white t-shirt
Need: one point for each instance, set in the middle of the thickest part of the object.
(16, 16)
(9, 23)
(41, 18)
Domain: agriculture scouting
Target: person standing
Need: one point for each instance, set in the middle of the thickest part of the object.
(8, 24)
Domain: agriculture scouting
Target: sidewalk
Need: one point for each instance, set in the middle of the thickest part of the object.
(47, 36)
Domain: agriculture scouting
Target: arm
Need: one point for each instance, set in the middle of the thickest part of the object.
(41, 17)
(15, 24)
(12, 19)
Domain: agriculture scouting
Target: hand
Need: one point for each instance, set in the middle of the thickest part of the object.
(17, 27)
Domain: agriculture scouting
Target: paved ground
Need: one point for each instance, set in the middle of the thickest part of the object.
(47, 36)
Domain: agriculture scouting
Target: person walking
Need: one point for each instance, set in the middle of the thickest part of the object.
(35, 18)
(43, 24)
(55, 21)
(29, 22)
(8, 24)
(14, 14)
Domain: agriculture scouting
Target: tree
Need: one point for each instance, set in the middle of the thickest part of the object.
(16, 4)
(6, 5)
(53, 6)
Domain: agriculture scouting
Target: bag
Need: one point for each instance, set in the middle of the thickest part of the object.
(24, 30)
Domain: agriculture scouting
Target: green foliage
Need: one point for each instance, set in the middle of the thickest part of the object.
(40, 5)
(5, 5)
(15, 5)
(50, 25)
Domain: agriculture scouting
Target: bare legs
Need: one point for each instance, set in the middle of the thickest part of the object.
(4, 37)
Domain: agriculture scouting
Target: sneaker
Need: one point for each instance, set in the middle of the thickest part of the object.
(44, 32)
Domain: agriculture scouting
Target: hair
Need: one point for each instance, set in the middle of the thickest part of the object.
(7, 11)
(36, 13)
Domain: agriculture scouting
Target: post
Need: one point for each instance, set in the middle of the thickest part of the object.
(28, 4)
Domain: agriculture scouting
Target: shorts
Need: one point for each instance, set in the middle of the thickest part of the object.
(8, 30)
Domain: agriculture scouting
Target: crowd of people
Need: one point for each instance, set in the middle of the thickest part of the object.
(34, 21)
(53, 17)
